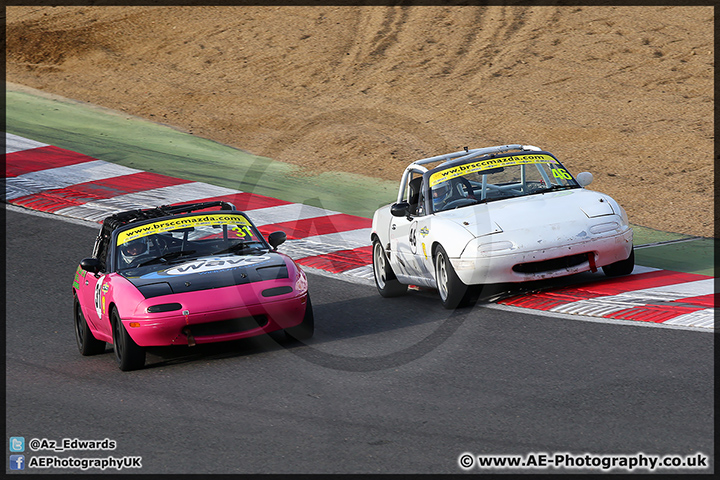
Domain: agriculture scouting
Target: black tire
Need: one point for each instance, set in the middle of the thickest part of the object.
(306, 329)
(129, 355)
(87, 344)
(451, 289)
(472, 295)
(623, 267)
(385, 280)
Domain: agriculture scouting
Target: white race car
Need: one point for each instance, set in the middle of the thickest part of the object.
(504, 214)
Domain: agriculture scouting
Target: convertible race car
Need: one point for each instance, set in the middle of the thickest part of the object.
(503, 214)
(185, 275)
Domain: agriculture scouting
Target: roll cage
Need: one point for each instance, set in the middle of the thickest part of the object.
(117, 220)
(449, 159)
(414, 193)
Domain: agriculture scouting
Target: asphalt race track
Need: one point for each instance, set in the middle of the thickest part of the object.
(385, 386)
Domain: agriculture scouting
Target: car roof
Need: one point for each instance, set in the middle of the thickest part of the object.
(121, 219)
(468, 154)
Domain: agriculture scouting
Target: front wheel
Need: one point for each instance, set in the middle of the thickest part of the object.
(623, 267)
(306, 329)
(451, 289)
(129, 355)
(385, 280)
(87, 344)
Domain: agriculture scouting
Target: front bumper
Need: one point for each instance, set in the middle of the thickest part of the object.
(198, 322)
(487, 264)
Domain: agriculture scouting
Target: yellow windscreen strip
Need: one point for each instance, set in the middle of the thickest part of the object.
(479, 166)
(182, 222)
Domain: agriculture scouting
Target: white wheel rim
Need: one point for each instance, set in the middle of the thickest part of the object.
(379, 265)
(441, 276)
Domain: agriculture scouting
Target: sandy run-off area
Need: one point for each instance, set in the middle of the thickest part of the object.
(623, 92)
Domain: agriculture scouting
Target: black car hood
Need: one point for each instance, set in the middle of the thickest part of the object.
(206, 273)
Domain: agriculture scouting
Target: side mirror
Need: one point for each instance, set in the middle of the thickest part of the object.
(584, 178)
(92, 265)
(276, 239)
(400, 209)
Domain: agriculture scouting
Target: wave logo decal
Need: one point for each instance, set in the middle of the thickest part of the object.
(212, 264)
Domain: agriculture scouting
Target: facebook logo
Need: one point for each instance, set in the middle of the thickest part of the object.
(17, 444)
(17, 462)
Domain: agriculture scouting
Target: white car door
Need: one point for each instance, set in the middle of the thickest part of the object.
(400, 246)
(410, 256)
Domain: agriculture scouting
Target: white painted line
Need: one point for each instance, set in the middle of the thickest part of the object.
(603, 306)
(52, 216)
(356, 280)
(61, 177)
(286, 213)
(183, 193)
(595, 307)
(679, 290)
(302, 248)
(324, 244)
(13, 143)
(641, 269)
(701, 318)
(667, 242)
(365, 272)
(347, 240)
(581, 318)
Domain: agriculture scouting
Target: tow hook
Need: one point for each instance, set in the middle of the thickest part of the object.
(591, 260)
(186, 330)
(189, 335)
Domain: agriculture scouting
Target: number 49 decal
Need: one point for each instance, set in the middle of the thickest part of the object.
(561, 173)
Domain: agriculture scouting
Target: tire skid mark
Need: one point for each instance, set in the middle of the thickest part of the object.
(389, 32)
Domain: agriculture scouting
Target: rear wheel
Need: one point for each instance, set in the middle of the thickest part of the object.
(129, 355)
(451, 289)
(385, 280)
(623, 267)
(306, 329)
(86, 342)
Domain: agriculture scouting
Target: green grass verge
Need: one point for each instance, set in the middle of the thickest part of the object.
(137, 143)
(691, 256)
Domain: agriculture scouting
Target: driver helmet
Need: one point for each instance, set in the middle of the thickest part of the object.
(133, 249)
(440, 194)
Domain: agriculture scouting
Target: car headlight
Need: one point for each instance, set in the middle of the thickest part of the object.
(275, 291)
(604, 227)
(488, 248)
(164, 307)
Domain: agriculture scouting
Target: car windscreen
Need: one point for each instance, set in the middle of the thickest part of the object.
(497, 178)
(169, 240)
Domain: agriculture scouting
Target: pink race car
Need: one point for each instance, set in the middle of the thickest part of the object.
(184, 275)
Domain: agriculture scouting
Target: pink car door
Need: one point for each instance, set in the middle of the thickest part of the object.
(88, 295)
(91, 289)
